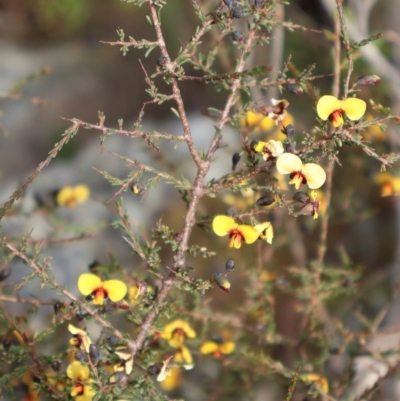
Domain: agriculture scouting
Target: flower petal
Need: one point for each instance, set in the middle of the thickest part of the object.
(87, 283)
(275, 147)
(228, 347)
(354, 108)
(223, 224)
(76, 370)
(286, 163)
(266, 231)
(116, 289)
(250, 234)
(209, 347)
(326, 105)
(315, 175)
(81, 193)
(64, 195)
(260, 146)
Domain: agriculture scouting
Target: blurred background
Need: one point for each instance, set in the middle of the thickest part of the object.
(77, 76)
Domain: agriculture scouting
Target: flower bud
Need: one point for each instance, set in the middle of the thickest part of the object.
(93, 267)
(229, 266)
(253, 144)
(57, 307)
(368, 80)
(289, 131)
(162, 61)
(4, 273)
(137, 188)
(231, 212)
(301, 197)
(230, 3)
(142, 286)
(56, 366)
(94, 352)
(266, 200)
(112, 340)
(235, 160)
(222, 282)
(119, 377)
(155, 369)
(294, 88)
(178, 237)
(237, 12)
(80, 356)
(257, 4)
(6, 345)
(237, 36)
(290, 147)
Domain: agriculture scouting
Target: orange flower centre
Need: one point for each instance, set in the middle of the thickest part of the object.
(76, 340)
(266, 151)
(77, 389)
(217, 354)
(235, 237)
(179, 335)
(337, 117)
(297, 178)
(99, 295)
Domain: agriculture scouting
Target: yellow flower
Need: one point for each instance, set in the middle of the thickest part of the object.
(224, 225)
(390, 184)
(176, 332)
(310, 173)
(71, 196)
(80, 338)
(217, 348)
(314, 378)
(266, 231)
(81, 389)
(257, 122)
(334, 109)
(184, 356)
(270, 149)
(89, 284)
(172, 380)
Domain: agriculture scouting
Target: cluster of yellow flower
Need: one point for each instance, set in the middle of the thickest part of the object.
(286, 162)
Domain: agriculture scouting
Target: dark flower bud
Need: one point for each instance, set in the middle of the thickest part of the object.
(230, 3)
(80, 356)
(137, 188)
(290, 147)
(4, 273)
(294, 88)
(142, 286)
(79, 317)
(217, 338)
(266, 200)
(253, 144)
(229, 266)
(222, 282)
(334, 350)
(94, 352)
(93, 267)
(237, 36)
(56, 366)
(178, 237)
(155, 369)
(301, 197)
(162, 61)
(36, 379)
(258, 3)
(289, 131)
(368, 80)
(112, 340)
(231, 212)
(237, 12)
(119, 377)
(57, 307)
(235, 160)
(6, 345)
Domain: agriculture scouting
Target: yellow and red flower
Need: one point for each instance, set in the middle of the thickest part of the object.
(89, 284)
(80, 338)
(257, 122)
(224, 225)
(390, 184)
(176, 332)
(329, 107)
(310, 173)
(269, 150)
(71, 196)
(217, 348)
(81, 388)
